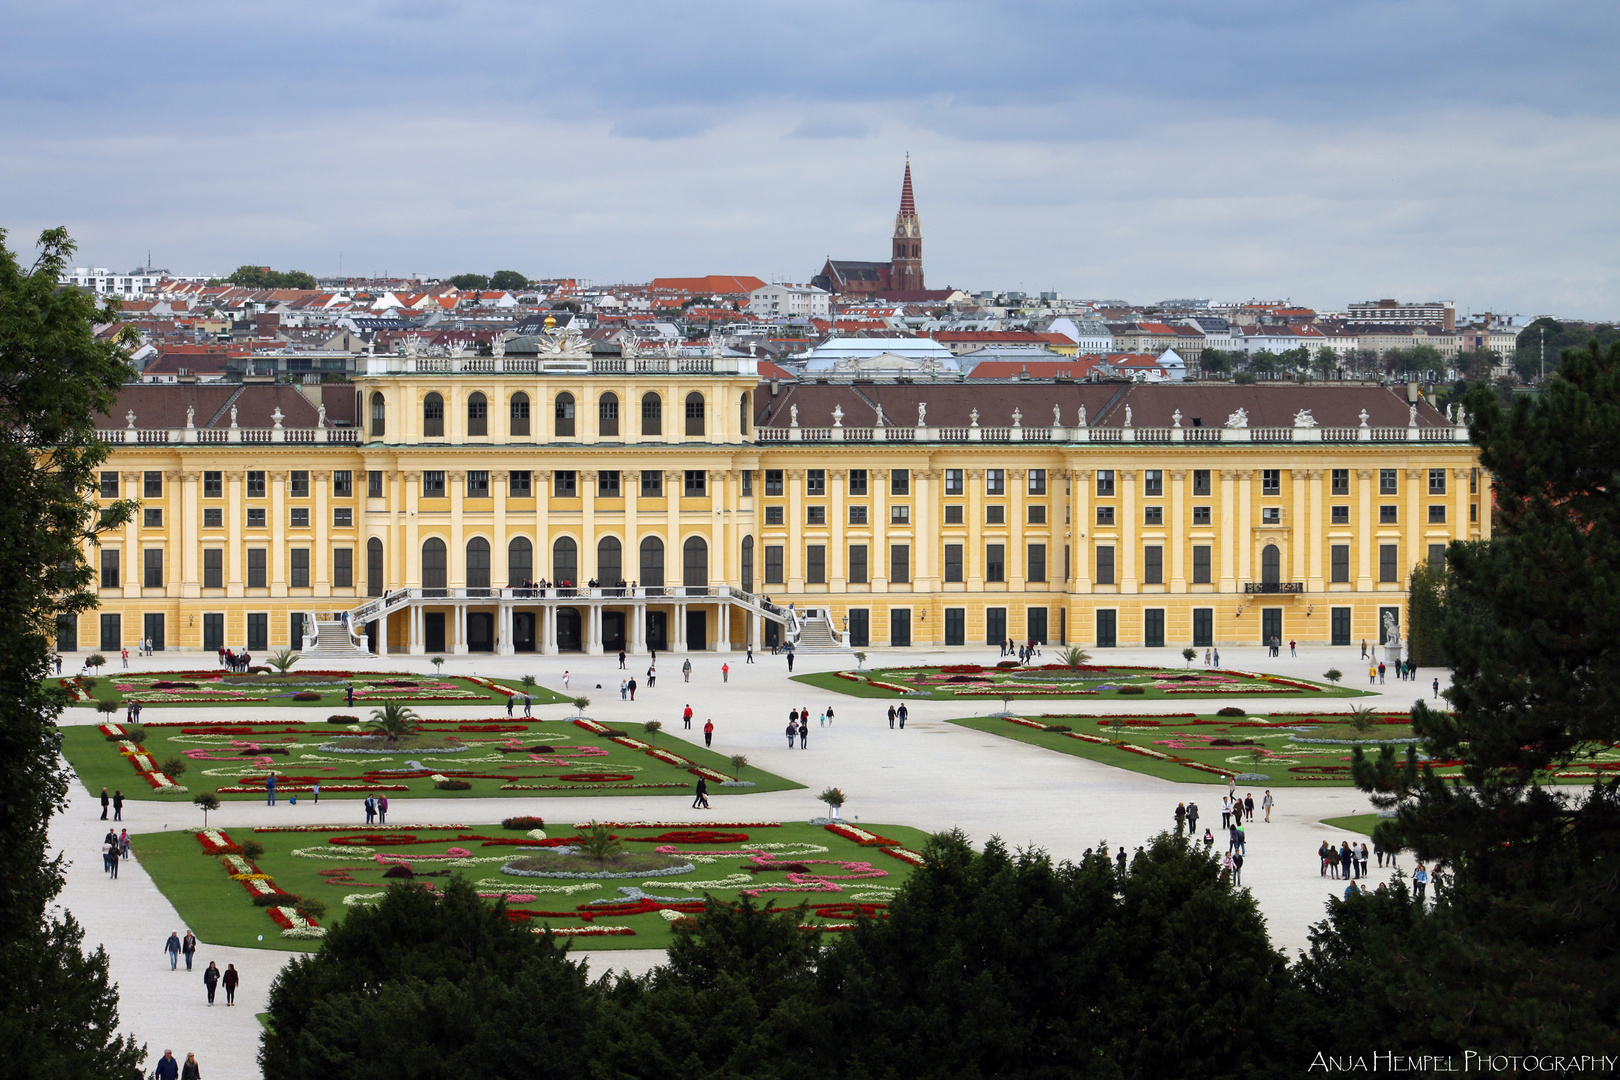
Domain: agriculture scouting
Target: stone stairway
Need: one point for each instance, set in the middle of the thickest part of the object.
(332, 641)
(816, 637)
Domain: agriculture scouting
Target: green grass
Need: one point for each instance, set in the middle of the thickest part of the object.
(274, 691)
(1356, 823)
(1135, 677)
(99, 763)
(218, 909)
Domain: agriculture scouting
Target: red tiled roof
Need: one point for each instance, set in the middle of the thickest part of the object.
(719, 284)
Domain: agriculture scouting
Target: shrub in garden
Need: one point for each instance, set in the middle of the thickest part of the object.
(306, 695)
(341, 719)
(523, 823)
(1131, 690)
(1007, 664)
(399, 872)
(453, 785)
(252, 850)
(274, 899)
(174, 766)
(1333, 675)
(1230, 710)
(1059, 727)
(310, 907)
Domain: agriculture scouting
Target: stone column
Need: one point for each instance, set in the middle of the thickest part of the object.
(1416, 491)
(587, 536)
(925, 523)
(721, 555)
(974, 570)
(500, 569)
(674, 557)
(1178, 531)
(234, 578)
(1459, 504)
(278, 533)
(838, 530)
(411, 557)
(1017, 555)
(795, 542)
(1366, 526)
(1245, 525)
(134, 560)
(1313, 578)
(1080, 529)
(1130, 532)
(593, 623)
(320, 579)
(184, 541)
(456, 481)
(459, 618)
(1229, 530)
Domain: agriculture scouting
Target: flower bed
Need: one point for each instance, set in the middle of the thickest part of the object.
(1008, 679)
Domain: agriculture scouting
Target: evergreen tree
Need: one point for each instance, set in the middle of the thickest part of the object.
(1423, 613)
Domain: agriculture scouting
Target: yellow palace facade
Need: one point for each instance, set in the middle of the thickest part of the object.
(560, 501)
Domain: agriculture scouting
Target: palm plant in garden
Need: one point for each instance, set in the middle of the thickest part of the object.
(600, 843)
(1075, 657)
(1361, 718)
(282, 660)
(738, 762)
(393, 721)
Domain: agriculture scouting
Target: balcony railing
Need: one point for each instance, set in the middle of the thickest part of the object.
(1111, 435)
(1269, 588)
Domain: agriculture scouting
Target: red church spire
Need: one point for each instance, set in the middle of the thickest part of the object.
(905, 265)
(908, 208)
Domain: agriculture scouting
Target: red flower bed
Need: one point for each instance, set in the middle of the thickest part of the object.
(693, 836)
(597, 777)
(863, 837)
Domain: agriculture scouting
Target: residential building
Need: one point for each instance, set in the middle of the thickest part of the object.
(790, 301)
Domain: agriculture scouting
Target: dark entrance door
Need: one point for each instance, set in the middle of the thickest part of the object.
(371, 637)
(955, 626)
(1271, 625)
(1203, 627)
(613, 630)
(995, 625)
(67, 633)
(568, 629)
(658, 630)
(697, 631)
(433, 631)
(213, 631)
(480, 631)
(1107, 628)
(523, 631)
(154, 629)
(860, 627)
(1341, 626)
(1153, 627)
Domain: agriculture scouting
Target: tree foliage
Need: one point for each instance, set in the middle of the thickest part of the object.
(473, 282)
(262, 277)
(508, 281)
(1425, 591)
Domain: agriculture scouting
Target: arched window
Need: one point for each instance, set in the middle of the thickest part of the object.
(609, 561)
(520, 414)
(652, 414)
(379, 415)
(374, 567)
(695, 563)
(694, 413)
(1270, 565)
(742, 416)
(565, 416)
(607, 414)
(652, 562)
(748, 564)
(478, 563)
(434, 564)
(433, 416)
(519, 561)
(477, 414)
(565, 561)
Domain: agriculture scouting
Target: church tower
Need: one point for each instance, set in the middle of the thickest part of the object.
(905, 268)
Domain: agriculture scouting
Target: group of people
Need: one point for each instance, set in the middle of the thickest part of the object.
(114, 849)
(896, 713)
(1025, 652)
(1404, 670)
(237, 662)
(376, 809)
(170, 1069)
(115, 801)
(708, 725)
(143, 647)
(799, 725)
(1235, 811)
(213, 978)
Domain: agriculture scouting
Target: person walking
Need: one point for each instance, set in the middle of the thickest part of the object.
(371, 809)
(190, 1071)
(1266, 804)
(700, 797)
(1192, 817)
(1437, 688)
(528, 705)
(172, 947)
(1226, 811)
(106, 801)
(1217, 658)
(1248, 807)
(821, 720)
(1380, 674)
(1292, 648)
(565, 678)
(167, 1067)
(510, 698)
(1420, 882)
(1372, 674)
(109, 854)
(230, 981)
(1362, 858)
(725, 673)
(891, 718)
(750, 654)
(317, 791)
(1226, 866)
(708, 733)
(792, 732)
(211, 981)
(348, 695)
(686, 717)
(270, 789)
(382, 810)
(1181, 817)
(632, 689)
(1237, 869)
(829, 715)
(1364, 648)
(904, 712)
(188, 946)
(123, 844)
(1119, 860)
(652, 676)
(686, 670)
(804, 731)
(621, 659)
(118, 806)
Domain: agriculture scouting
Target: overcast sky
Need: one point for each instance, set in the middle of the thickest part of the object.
(1323, 150)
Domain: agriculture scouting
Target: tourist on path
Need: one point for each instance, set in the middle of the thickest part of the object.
(167, 1067)
(1248, 806)
(708, 733)
(188, 945)
(621, 659)
(1372, 674)
(172, 947)
(790, 661)
(317, 791)
(211, 980)
(725, 673)
(230, 980)
(904, 712)
(686, 717)
(829, 715)
(1181, 817)
(510, 698)
(1381, 674)
(109, 854)
(700, 798)
(190, 1071)
(371, 809)
(686, 670)
(891, 716)
(1237, 869)
(804, 731)
(106, 801)
(382, 810)
(1420, 882)
(652, 676)
(118, 806)
(528, 704)
(750, 654)
(792, 732)
(565, 679)
(270, 789)
(1437, 688)
(632, 689)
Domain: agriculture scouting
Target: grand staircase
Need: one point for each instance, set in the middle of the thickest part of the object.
(332, 642)
(816, 636)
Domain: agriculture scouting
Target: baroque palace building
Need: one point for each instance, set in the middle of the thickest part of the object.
(543, 499)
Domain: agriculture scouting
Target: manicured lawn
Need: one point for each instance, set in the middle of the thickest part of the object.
(791, 863)
(232, 760)
(1194, 749)
(1356, 823)
(1126, 683)
(184, 689)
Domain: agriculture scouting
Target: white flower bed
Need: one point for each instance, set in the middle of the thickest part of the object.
(687, 868)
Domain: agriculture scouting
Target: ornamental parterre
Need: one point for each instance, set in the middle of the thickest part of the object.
(1087, 680)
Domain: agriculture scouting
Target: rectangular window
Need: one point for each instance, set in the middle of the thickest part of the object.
(858, 573)
(1473, 481)
(815, 481)
(607, 484)
(477, 483)
(565, 484)
(1340, 562)
(1388, 515)
(652, 484)
(995, 625)
(953, 482)
(109, 485)
(342, 517)
(1437, 481)
(257, 573)
(773, 515)
(995, 515)
(857, 481)
(255, 484)
(152, 485)
(1037, 515)
(213, 568)
(1388, 484)
(995, 481)
(298, 483)
(954, 515)
(899, 515)
(1037, 563)
(773, 482)
(1271, 515)
(1340, 622)
(1105, 515)
(343, 568)
(1153, 565)
(213, 518)
(1437, 514)
(374, 484)
(995, 562)
(1037, 481)
(747, 483)
(899, 481)
(899, 564)
(1105, 483)
(109, 569)
(154, 568)
(953, 562)
(773, 564)
(1105, 564)
(1153, 483)
(1107, 628)
(1341, 515)
(695, 484)
(815, 564)
(152, 518)
(1341, 481)
(518, 483)
(298, 565)
(433, 484)
(213, 485)
(342, 483)
(1389, 567)
(1437, 556)
(1473, 512)
(258, 631)
(112, 633)
(256, 517)
(298, 517)
(1153, 515)
(1271, 481)
(1201, 564)
(1201, 515)
(815, 515)
(857, 514)
(1200, 482)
